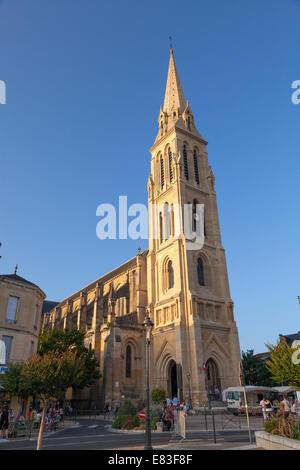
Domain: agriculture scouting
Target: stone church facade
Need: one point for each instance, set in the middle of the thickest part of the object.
(184, 291)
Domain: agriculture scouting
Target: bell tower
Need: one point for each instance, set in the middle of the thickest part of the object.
(188, 289)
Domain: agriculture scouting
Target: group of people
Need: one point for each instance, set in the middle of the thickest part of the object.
(286, 407)
(168, 414)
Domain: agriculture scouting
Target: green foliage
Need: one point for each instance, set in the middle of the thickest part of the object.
(281, 366)
(14, 382)
(152, 425)
(155, 412)
(284, 427)
(131, 422)
(255, 370)
(158, 395)
(271, 424)
(51, 374)
(118, 422)
(126, 408)
(62, 341)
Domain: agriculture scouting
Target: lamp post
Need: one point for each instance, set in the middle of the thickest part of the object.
(190, 395)
(242, 384)
(148, 325)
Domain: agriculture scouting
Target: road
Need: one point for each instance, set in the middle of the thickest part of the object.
(89, 434)
(93, 434)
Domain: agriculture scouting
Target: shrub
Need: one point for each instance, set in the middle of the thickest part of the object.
(131, 422)
(126, 408)
(285, 427)
(156, 412)
(152, 425)
(270, 425)
(158, 395)
(118, 422)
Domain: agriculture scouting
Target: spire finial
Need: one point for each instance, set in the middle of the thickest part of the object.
(16, 269)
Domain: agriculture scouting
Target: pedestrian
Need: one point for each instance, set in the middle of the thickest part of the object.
(285, 407)
(268, 408)
(171, 416)
(263, 408)
(166, 419)
(4, 423)
(169, 402)
(294, 408)
(175, 402)
(62, 417)
(11, 416)
(217, 393)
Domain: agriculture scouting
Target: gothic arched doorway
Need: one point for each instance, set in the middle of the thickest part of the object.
(212, 376)
(172, 380)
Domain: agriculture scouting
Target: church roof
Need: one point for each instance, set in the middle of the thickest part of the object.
(174, 96)
(48, 305)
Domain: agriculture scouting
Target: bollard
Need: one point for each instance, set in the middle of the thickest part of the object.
(205, 417)
(214, 427)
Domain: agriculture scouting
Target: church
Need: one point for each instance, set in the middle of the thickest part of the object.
(194, 342)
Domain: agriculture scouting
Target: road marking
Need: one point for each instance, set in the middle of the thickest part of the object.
(93, 426)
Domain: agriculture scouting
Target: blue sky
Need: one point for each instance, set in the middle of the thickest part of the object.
(85, 80)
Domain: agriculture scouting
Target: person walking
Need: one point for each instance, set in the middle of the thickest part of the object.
(263, 408)
(4, 423)
(268, 408)
(285, 407)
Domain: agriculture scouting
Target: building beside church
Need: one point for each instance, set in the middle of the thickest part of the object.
(20, 316)
(184, 291)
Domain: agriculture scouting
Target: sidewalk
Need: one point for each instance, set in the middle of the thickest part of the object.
(34, 433)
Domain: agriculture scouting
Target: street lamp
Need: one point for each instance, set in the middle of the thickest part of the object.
(190, 395)
(148, 325)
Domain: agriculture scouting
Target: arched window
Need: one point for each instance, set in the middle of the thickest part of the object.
(189, 122)
(170, 275)
(196, 167)
(185, 163)
(200, 272)
(170, 165)
(162, 172)
(128, 361)
(161, 128)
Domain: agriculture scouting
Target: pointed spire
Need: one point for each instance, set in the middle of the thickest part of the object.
(174, 97)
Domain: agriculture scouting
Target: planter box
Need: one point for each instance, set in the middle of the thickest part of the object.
(271, 442)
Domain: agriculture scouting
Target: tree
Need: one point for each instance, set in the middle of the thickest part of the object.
(16, 384)
(281, 365)
(158, 395)
(255, 370)
(50, 375)
(62, 341)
